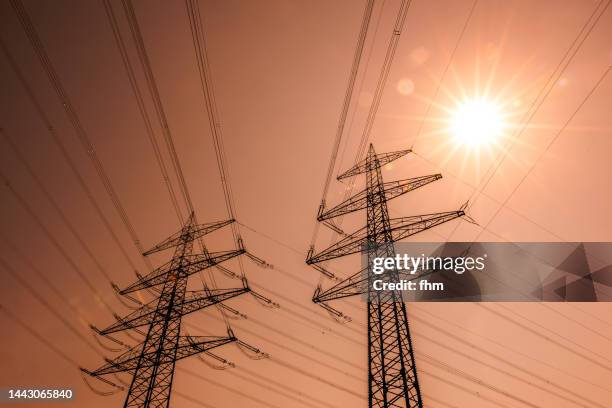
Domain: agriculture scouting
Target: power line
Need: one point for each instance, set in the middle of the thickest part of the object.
(34, 293)
(24, 19)
(437, 401)
(301, 316)
(549, 86)
(348, 96)
(295, 396)
(545, 337)
(152, 362)
(444, 72)
(73, 117)
(269, 380)
(280, 243)
(414, 317)
(496, 357)
(228, 388)
(549, 145)
(214, 122)
(90, 288)
(24, 259)
(377, 97)
(293, 351)
(45, 303)
(62, 251)
(579, 323)
(64, 356)
(545, 91)
(518, 352)
(54, 204)
(518, 367)
(384, 75)
(464, 389)
(65, 154)
(466, 376)
(141, 106)
(159, 109)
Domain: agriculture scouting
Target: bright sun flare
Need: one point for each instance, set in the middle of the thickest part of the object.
(477, 122)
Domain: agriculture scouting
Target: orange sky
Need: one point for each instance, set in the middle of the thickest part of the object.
(280, 70)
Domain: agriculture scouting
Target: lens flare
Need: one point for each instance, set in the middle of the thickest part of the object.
(477, 122)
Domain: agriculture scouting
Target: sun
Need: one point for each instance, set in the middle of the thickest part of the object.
(477, 122)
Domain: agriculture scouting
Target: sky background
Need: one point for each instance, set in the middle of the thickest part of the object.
(280, 72)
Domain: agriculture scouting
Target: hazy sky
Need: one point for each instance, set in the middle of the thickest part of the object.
(280, 71)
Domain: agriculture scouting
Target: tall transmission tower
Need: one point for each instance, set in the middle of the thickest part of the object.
(392, 373)
(152, 362)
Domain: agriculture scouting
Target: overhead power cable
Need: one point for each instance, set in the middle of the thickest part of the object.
(572, 394)
(293, 351)
(43, 277)
(542, 95)
(157, 101)
(476, 394)
(464, 375)
(451, 58)
(75, 121)
(269, 380)
(64, 152)
(34, 293)
(226, 387)
(348, 96)
(60, 249)
(450, 323)
(474, 359)
(20, 157)
(527, 356)
(384, 75)
(50, 308)
(73, 117)
(377, 97)
(62, 354)
(595, 361)
(212, 110)
(141, 106)
(548, 146)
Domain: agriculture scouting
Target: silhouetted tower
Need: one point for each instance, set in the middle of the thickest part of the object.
(392, 373)
(152, 361)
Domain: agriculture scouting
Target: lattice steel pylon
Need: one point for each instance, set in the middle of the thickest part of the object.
(392, 373)
(152, 362)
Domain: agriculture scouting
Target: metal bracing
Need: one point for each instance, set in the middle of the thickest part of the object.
(187, 346)
(190, 265)
(392, 373)
(379, 160)
(152, 362)
(398, 228)
(192, 302)
(392, 189)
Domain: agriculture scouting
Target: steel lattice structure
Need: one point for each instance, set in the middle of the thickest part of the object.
(392, 373)
(152, 362)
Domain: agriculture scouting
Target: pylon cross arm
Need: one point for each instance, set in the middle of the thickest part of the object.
(392, 190)
(187, 346)
(399, 227)
(190, 265)
(376, 160)
(194, 301)
(192, 232)
(355, 284)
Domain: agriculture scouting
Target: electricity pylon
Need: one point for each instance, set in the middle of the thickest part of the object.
(152, 361)
(392, 373)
